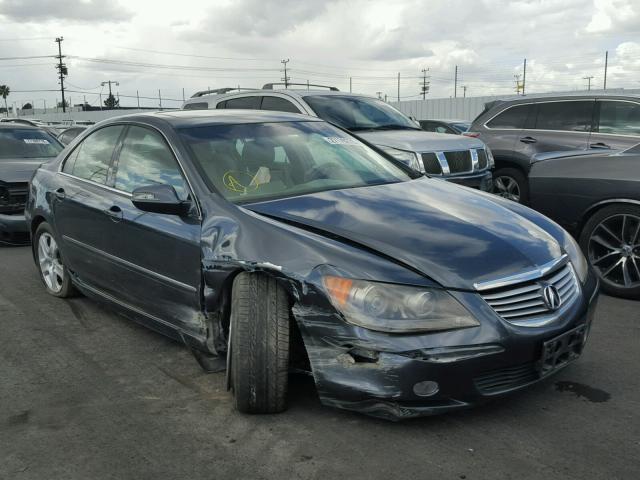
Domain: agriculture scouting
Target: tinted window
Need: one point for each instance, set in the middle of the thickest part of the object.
(145, 159)
(513, 117)
(566, 116)
(622, 118)
(251, 162)
(92, 157)
(196, 106)
(20, 142)
(278, 104)
(252, 103)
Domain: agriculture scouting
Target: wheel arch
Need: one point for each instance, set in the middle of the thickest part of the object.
(596, 207)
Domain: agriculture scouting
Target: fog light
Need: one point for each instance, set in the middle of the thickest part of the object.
(426, 388)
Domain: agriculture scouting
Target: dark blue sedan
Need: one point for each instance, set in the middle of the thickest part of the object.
(269, 241)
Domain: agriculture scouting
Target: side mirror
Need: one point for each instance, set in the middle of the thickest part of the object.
(159, 198)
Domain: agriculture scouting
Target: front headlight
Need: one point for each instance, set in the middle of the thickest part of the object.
(396, 308)
(578, 260)
(410, 159)
(490, 159)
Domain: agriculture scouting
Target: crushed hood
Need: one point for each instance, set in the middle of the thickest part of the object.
(420, 141)
(19, 170)
(449, 233)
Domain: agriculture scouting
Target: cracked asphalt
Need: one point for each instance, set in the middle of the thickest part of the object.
(87, 394)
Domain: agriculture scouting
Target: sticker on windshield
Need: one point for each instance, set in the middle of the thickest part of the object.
(341, 140)
(36, 141)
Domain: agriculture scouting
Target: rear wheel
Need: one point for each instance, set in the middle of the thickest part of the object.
(53, 272)
(611, 241)
(512, 184)
(259, 344)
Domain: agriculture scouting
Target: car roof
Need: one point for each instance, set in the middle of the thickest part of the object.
(194, 118)
(18, 125)
(292, 92)
(551, 98)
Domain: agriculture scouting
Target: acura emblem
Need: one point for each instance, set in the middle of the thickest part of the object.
(551, 297)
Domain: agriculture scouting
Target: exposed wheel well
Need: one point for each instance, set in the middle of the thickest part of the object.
(591, 211)
(509, 163)
(35, 223)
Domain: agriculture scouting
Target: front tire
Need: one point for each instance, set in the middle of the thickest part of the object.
(511, 183)
(611, 241)
(259, 344)
(53, 272)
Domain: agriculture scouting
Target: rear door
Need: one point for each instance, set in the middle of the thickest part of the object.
(156, 257)
(81, 203)
(503, 131)
(617, 125)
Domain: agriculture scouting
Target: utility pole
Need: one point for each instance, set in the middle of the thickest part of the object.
(518, 83)
(588, 79)
(109, 82)
(286, 78)
(62, 71)
(606, 64)
(524, 76)
(455, 83)
(350, 84)
(425, 85)
(379, 95)
(398, 86)
(160, 98)
(138, 98)
(183, 92)
(464, 91)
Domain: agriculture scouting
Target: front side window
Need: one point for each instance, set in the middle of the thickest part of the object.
(253, 162)
(27, 143)
(278, 104)
(145, 159)
(622, 118)
(250, 103)
(571, 116)
(91, 159)
(511, 118)
(359, 113)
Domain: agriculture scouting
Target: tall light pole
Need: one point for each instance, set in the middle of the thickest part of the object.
(62, 71)
(286, 78)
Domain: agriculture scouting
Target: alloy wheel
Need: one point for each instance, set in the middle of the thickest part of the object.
(50, 262)
(507, 187)
(614, 250)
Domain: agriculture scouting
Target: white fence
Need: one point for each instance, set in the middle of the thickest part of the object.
(76, 114)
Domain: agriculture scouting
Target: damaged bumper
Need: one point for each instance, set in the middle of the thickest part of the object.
(13, 228)
(397, 376)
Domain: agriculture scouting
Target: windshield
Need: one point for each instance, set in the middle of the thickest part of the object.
(252, 162)
(359, 113)
(27, 143)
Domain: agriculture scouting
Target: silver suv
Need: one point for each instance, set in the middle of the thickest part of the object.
(462, 160)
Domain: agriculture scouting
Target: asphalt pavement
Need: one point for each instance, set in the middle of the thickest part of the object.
(87, 394)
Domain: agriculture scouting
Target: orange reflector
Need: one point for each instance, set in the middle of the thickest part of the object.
(339, 288)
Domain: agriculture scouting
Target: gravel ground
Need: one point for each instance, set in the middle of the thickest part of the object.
(86, 394)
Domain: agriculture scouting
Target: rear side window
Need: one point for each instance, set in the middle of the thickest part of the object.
(145, 159)
(514, 117)
(565, 116)
(196, 106)
(91, 159)
(278, 104)
(251, 103)
(622, 118)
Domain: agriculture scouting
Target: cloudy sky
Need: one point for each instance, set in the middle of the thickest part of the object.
(192, 45)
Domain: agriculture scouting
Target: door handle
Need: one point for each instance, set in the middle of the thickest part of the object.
(60, 194)
(115, 212)
(599, 145)
(528, 140)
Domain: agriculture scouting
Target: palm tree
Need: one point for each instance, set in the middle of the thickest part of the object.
(4, 92)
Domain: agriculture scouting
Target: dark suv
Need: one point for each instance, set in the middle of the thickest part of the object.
(516, 130)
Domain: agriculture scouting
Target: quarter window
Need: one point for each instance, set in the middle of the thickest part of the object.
(514, 117)
(622, 118)
(573, 116)
(92, 158)
(196, 106)
(251, 103)
(145, 159)
(278, 104)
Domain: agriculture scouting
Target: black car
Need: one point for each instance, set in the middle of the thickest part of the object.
(453, 127)
(596, 196)
(23, 149)
(276, 240)
(518, 129)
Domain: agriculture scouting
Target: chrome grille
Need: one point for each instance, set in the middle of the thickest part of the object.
(460, 161)
(482, 158)
(431, 163)
(524, 301)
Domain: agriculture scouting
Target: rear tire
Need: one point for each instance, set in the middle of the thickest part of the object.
(610, 239)
(54, 274)
(510, 183)
(259, 344)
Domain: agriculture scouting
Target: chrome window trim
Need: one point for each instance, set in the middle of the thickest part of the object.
(526, 276)
(149, 273)
(122, 192)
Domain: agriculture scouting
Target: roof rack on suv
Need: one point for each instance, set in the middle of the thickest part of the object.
(269, 86)
(219, 91)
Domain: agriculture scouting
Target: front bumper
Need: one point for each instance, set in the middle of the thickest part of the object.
(481, 180)
(382, 374)
(13, 228)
